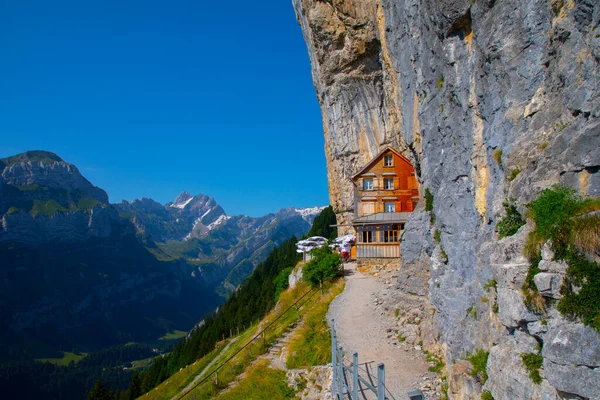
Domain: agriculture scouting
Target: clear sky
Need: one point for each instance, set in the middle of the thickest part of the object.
(151, 98)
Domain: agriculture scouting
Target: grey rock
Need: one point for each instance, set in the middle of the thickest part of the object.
(573, 343)
(450, 83)
(548, 284)
(553, 267)
(512, 310)
(573, 379)
(508, 377)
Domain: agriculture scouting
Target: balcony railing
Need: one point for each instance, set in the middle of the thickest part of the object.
(378, 250)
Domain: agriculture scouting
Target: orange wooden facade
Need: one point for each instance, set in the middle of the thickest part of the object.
(382, 181)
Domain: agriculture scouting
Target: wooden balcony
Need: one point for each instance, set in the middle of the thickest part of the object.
(378, 250)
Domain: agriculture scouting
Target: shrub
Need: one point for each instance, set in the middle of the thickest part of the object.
(491, 284)
(472, 312)
(437, 236)
(513, 173)
(428, 200)
(479, 362)
(486, 395)
(323, 266)
(533, 363)
(562, 216)
(510, 224)
(439, 363)
(497, 154)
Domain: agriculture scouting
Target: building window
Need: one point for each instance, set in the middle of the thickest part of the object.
(368, 184)
(388, 161)
(390, 206)
(389, 236)
(388, 183)
(366, 237)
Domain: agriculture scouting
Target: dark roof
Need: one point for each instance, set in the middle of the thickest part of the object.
(377, 157)
(382, 218)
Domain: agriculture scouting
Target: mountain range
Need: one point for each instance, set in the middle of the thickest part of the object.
(79, 272)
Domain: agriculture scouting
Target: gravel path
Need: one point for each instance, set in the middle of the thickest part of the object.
(362, 326)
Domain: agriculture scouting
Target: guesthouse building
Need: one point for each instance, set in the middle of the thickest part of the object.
(386, 192)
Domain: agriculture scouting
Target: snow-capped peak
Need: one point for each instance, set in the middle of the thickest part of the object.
(182, 205)
(217, 222)
(182, 200)
(310, 211)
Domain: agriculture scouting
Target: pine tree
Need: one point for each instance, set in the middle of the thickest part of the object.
(99, 392)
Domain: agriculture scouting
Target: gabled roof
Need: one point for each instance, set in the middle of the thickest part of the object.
(377, 157)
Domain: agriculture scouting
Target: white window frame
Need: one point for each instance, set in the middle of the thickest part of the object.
(387, 203)
(391, 160)
(385, 183)
(366, 186)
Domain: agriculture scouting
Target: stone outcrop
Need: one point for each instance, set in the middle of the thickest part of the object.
(489, 99)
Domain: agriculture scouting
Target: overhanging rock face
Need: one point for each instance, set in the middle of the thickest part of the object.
(489, 100)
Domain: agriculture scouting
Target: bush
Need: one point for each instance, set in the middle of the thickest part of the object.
(486, 395)
(479, 362)
(428, 200)
(324, 265)
(533, 362)
(513, 173)
(562, 216)
(510, 224)
(497, 154)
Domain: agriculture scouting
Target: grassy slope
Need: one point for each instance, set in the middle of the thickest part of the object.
(65, 359)
(272, 383)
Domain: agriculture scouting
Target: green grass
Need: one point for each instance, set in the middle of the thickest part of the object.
(437, 236)
(479, 362)
(232, 369)
(440, 82)
(260, 382)
(429, 205)
(66, 359)
(497, 155)
(533, 362)
(486, 395)
(86, 203)
(565, 219)
(141, 364)
(428, 200)
(311, 343)
(514, 173)
(12, 210)
(491, 284)
(472, 312)
(174, 335)
(46, 207)
(180, 380)
(439, 363)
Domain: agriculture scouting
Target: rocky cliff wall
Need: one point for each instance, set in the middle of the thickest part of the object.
(489, 99)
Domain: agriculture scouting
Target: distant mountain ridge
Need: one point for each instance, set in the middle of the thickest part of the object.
(80, 272)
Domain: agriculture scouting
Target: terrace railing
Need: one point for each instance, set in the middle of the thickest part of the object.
(341, 388)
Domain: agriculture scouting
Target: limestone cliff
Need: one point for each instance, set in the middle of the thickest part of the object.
(489, 99)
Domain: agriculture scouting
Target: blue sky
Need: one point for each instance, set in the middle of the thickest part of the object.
(151, 98)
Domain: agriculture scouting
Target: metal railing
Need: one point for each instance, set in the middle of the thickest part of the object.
(340, 385)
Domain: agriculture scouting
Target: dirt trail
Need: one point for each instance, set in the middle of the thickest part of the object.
(362, 326)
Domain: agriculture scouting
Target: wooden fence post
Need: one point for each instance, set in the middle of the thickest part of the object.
(355, 376)
(380, 381)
